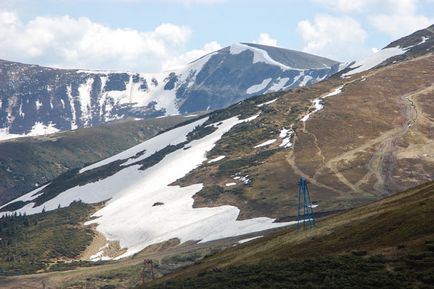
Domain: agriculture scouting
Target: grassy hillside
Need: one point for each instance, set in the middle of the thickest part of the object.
(371, 139)
(26, 162)
(46, 241)
(386, 244)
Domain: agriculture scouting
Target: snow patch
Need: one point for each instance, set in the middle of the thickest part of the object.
(230, 184)
(99, 71)
(278, 85)
(317, 105)
(99, 256)
(306, 79)
(259, 55)
(251, 117)
(41, 129)
(336, 91)
(216, 159)
(424, 39)
(171, 137)
(285, 135)
(374, 60)
(266, 143)
(249, 239)
(84, 95)
(265, 103)
(237, 48)
(31, 195)
(38, 129)
(38, 104)
(245, 179)
(5, 135)
(72, 105)
(258, 87)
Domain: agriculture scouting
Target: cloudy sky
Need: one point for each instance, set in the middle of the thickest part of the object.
(154, 35)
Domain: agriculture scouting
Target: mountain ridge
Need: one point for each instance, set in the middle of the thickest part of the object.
(38, 100)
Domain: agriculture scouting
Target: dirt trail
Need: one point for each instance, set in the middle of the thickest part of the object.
(420, 117)
(291, 160)
(382, 162)
(331, 164)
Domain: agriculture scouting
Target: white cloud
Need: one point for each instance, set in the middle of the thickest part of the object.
(340, 38)
(80, 43)
(191, 2)
(403, 19)
(396, 18)
(183, 2)
(266, 39)
(399, 25)
(372, 6)
(345, 5)
(189, 56)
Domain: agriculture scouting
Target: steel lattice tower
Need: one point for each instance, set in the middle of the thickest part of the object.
(305, 212)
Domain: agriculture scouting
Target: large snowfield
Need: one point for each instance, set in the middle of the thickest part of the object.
(374, 60)
(130, 216)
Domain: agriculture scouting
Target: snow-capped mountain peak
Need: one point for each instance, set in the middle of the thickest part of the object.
(69, 99)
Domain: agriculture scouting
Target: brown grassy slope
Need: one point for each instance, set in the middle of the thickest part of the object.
(395, 226)
(372, 139)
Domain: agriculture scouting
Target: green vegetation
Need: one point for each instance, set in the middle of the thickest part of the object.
(347, 271)
(210, 193)
(126, 277)
(156, 157)
(230, 167)
(72, 178)
(41, 241)
(242, 109)
(14, 206)
(200, 132)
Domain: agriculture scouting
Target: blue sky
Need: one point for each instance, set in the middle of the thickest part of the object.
(152, 35)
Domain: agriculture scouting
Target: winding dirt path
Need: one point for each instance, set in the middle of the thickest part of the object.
(291, 161)
(383, 160)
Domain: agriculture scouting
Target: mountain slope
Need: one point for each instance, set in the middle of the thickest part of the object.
(355, 139)
(122, 178)
(419, 43)
(341, 251)
(25, 163)
(37, 100)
